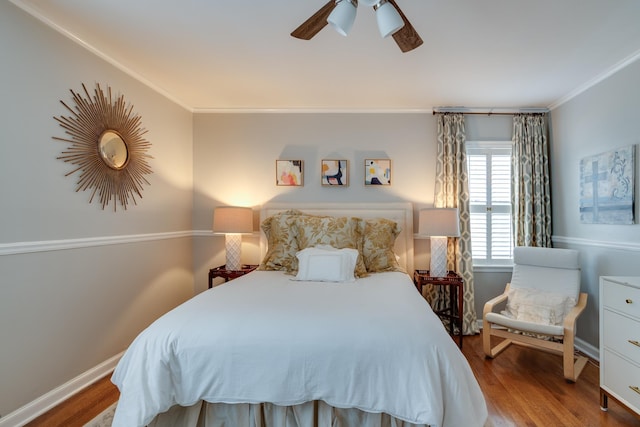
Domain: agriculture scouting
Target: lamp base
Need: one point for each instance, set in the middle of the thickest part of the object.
(233, 246)
(438, 264)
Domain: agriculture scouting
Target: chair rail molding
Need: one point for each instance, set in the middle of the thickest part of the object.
(578, 241)
(18, 248)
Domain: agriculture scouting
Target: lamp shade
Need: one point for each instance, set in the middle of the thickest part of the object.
(389, 20)
(343, 16)
(439, 222)
(232, 220)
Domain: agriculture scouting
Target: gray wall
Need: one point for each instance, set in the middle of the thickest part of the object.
(605, 117)
(234, 164)
(235, 154)
(64, 311)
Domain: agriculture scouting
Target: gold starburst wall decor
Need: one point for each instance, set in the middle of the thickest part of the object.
(107, 146)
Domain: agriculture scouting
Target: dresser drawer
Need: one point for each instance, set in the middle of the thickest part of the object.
(622, 298)
(619, 378)
(622, 334)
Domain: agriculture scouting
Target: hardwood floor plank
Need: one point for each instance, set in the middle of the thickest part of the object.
(81, 408)
(526, 387)
(522, 387)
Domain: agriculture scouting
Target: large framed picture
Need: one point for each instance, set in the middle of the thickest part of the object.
(335, 173)
(607, 187)
(377, 172)
(289, 173)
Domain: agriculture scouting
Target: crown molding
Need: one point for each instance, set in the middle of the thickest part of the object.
(304, 110)
(593, 82)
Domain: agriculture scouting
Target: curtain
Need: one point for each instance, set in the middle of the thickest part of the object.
(452, 191)
(530, 195)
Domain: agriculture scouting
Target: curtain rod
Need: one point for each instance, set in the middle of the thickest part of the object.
(490, 111)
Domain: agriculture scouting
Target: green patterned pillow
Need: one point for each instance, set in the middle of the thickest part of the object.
(379, 238)
(282, 244)
(339, 233)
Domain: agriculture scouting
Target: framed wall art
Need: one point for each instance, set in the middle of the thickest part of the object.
(335, 173)
(377, 172)
(607, 187)
(289, 173)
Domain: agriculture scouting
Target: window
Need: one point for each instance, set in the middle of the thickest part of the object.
(489, 166)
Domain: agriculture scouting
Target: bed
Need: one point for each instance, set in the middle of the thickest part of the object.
(343, 340)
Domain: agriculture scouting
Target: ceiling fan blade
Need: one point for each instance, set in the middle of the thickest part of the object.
(317, 22)
(406, 37)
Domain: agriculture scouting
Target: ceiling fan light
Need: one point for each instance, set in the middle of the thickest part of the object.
(343, 16)
(389, 20)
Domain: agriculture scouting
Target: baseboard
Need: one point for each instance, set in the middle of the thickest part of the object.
(591, 351)
(49, 400)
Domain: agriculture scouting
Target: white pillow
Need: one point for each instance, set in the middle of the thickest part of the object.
(533, 305)
(326, 264)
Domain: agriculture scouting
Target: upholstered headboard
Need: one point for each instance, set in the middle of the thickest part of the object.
(400, 212)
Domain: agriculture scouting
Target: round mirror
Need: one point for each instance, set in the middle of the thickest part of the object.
(113, 149)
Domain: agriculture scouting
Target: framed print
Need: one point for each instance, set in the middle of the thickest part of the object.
(335, 173)
(377, 172)
(289, 173)
(607, 187)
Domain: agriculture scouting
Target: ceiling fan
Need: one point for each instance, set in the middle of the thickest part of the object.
(341, 15)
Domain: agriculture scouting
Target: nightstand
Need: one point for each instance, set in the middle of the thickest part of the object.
(454, 282)
(229, 274)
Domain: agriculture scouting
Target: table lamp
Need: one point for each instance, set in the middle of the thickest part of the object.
(233, 222)
(438, 224)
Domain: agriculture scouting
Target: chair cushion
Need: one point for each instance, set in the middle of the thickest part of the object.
(547, 269)
(546, 257)
(536, 306)
(501, 320)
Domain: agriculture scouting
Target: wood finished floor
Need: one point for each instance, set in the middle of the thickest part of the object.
(522, 387)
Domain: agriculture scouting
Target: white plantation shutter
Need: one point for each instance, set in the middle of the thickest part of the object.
(489, 166)
(478, 201)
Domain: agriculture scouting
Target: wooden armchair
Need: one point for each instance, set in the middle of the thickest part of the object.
(543, 301)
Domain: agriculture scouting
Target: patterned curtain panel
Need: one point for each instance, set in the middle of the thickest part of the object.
(531, 195)
(452, 191)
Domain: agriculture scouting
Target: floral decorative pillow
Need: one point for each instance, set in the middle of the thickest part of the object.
(339, 233)
(379, 238)
(282, 244)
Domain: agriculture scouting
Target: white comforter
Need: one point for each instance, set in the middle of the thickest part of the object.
(373, 344)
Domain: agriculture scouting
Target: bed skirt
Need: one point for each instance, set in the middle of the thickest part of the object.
(308, 414)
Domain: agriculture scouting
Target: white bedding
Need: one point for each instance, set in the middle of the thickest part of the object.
(373, 344)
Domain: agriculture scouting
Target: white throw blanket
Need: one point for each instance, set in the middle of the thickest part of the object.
(373, 344)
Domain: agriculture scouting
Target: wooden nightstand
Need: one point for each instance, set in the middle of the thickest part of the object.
(229, 274)
(455, 311)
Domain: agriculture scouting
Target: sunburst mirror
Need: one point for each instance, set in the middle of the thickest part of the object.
(107, 146)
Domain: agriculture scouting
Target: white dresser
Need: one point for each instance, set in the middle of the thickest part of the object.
(620, 341)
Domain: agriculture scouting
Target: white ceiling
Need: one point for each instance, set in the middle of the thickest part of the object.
(238, 54)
